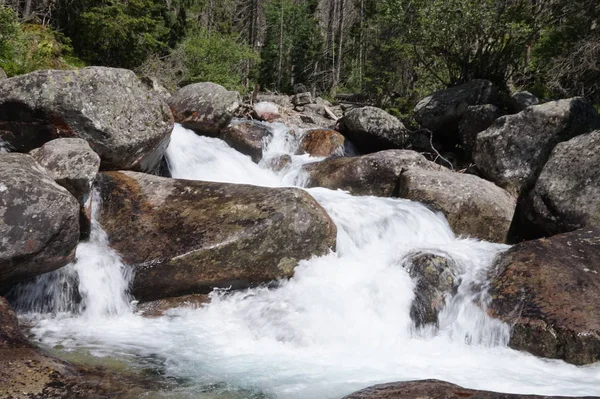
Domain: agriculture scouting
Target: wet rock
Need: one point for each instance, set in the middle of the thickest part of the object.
(279, 163)
(39, 220)
(301, 99)
(123, 121)
(476, 119)
(205, 108)
(522, 100)
(322, 143)
(160, 307)
(548, 290)
(74, 165)
(435, 283)
(374, 174)
(444, 109)
(474, 207)
(266, 111)
(247, 138)
(432, 389)
(566, 196)
(184, 237)
(513, 151)
(372, 129)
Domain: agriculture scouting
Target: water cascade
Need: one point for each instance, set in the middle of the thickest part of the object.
(342, 323)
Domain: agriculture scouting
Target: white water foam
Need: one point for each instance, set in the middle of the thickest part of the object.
(342, 323)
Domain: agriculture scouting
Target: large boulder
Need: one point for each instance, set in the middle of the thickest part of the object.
(566, 196)
(523, 99)
(548, 290)
(435, 283)
(322, 143)
(247, 138)
(432, 389)
(445, 108)
(205, 108)
(374, 174)
(74, 165)
(372, 129)
(474, 207)
(39, 220)
(513, 151)
(124, 122)
(183, 237)
(476, 119)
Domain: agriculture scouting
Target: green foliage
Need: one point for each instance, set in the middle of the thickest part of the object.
(212, 57)
(10, 38)
(293, 45)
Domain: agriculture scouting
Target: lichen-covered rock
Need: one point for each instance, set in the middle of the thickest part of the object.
(248, 138)
(322, 143)
(301, 99)
(522, 100)
(123, 121)
(372, 129)
(474, 207)
(432, 389)
(374, 174)
(205, 108)
(445, 108)
(513, 151)
(184, 237)
(476, 119)
(435, 283)
(39, 220)
(566, 196)
(548, 290)
(74, 165)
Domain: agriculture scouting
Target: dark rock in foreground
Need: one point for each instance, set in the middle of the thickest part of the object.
(548, 290)
(432, 389)
(374, 174)
(124, 122)
(185, 237)
(474, 207)
(513, 151)
(372, 129)
(566, 196)
(39, 220)
(205, 108)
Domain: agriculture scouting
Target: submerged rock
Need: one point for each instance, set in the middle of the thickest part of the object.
(39, 220)
(548, 290)
(123, 121)
(566, 196)
(432, 389)
(372, 129)
(513, 151)
(183, 237)
(435, 282)
(247, 138)
(474, 207)
(205, 108)
(322, 143)
(374, 174)
(444, 109)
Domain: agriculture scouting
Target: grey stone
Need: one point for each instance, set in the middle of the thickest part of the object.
(372, 129)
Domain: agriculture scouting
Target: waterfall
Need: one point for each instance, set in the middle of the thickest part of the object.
(340, 324)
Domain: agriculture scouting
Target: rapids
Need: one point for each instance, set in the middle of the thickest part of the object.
(340, 324)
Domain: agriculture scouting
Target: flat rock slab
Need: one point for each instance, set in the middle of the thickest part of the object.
(433, 389)
(548, 290)
(187, 237)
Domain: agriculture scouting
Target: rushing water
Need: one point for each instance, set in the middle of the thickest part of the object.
(342, 323)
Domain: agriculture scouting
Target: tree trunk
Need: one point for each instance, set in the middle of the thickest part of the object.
(279, 69)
